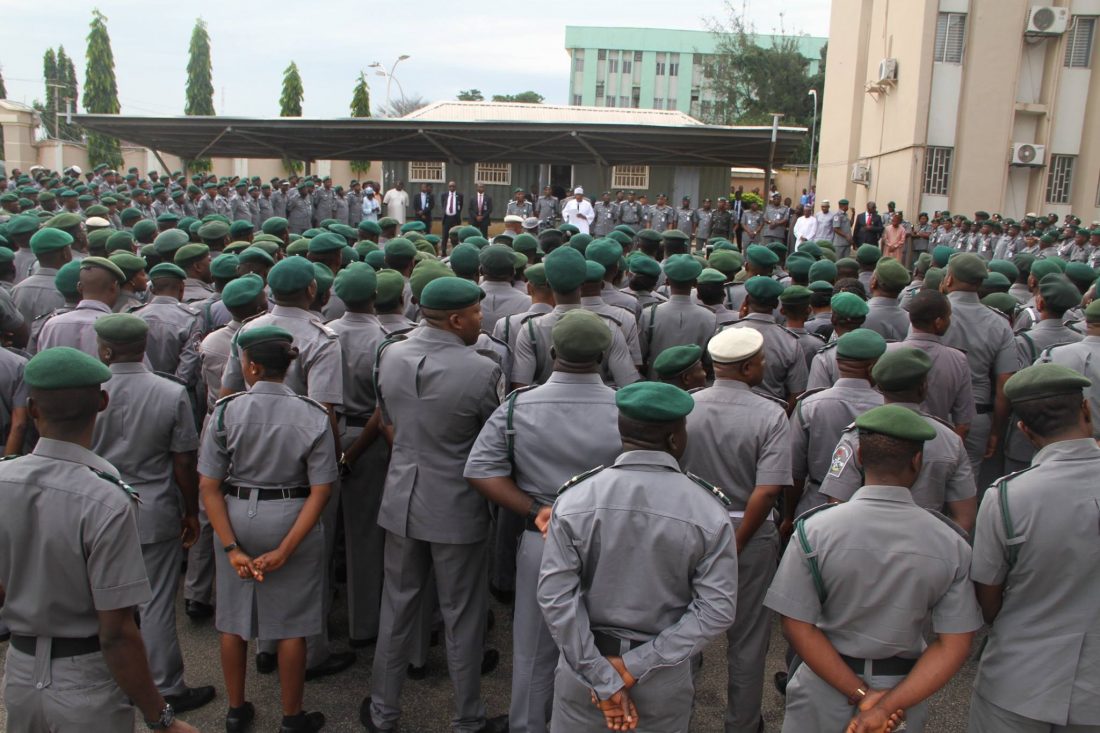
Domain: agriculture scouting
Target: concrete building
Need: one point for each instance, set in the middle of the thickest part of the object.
(650, 68)
(963, 105)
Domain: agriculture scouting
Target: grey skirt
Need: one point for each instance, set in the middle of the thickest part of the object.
(287, 604)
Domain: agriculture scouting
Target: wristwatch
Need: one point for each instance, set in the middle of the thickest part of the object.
(164, 722)
(860, 692)
(230, 547)
(533, 512)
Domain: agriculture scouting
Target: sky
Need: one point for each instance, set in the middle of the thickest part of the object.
(451, 44)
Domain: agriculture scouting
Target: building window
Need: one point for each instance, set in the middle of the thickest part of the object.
(426, 172)
(624, 101)
(628, 66)
(937, 171)
(661, 64)
(636, 97)
(630, 176)
(613, 63)
(601, 54)
(577, 100)
(658, 103)
(1079, 42)
(578, 60)
(493, 174)
(1060, 179)
(671, 103)
(950, 36)
(599, 92)
(610, 101)
(637, 57)
(674, 64)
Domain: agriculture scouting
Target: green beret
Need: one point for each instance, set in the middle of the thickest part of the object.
(565, 269)
(761, 256)
(648, 235)
(299, 246)
(536, 274)
(822, 270)
(1080, 274)
(130, 263)
(1042, 268)
(327, 242)
(996, 281)
(98, 238)
(96, 210)
(821, 286)
(968, 267)
(369, 226)
(188, 253)
(763, 289)
(167, 269)
(626, 230)
(677, 360)
(356, 283)
(450, 294)
(223, 267)
(580, 242)
(465, 260)
(121, 328)
(810, 248)
(862, 343)
(1059, 262)
(1003, 302)
(104, 264)
(68, 275)
(63, 367)
(571, 229)
(425, 272)
(1006, 268)
(400, 247)
(779, 248)
(235, 248)
(144, 228)
(1048, 238)
(242, 291)
(6, 256)
(1041, 381)
(674, 235)
(64, 220)
(848, 305)
(274, 225)
(641, 264)
(413, 226)
(215, 230)
(170, 240)
(605, 250)
(800, 266)
(497, 260)
(593, 271)
(119, 242)
(477, 241)
(725, 244)
(725, 261)
(891, 274)
(580, 336)
(868, 254)
(465, 232)
(896, 422)
(291, 275)
(248, 338)
(843, 202)
(654, 402)
(386, 222)
(846, 263)
(900, 369)
(682, 268)
(238, 228)
(168, 218)
(129, 214)
(621, 237)
(255, 254)
(375, 258)
(210, 185)
(349, 234)
(22, 224)
(49, 240)
(525, 243)
(186, 222)
(390, 286)
(324, 277)
(710, 276)
(1092, 311)
(795, 295)
(1059, 293)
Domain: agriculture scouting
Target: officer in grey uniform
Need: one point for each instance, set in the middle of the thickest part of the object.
(759, 261)
(498, 269)
(546, 209)
(749, 457)
(679, 321)
(884, 315)
(862, 581)
(175, 329)
(265, 205)
(340, 205)
(148, 433)
(629, 616)
(606, 215)
(238, 205)
(819, 418)
(946, 481)
(507, 329)
(776, 220)
(794, 305)
(1084, 358)
(591, 299)
(36, 294)
(661, 216)
(1041, 609)
(631, 212)
(703, 216)
(71, 579)
(299, 210)
(685, 218)
(99, 283)
(785, 370)
(324, 201)
(278, 200)
(529, 447)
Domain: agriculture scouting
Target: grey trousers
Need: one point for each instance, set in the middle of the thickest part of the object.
(748, 637)
(158, 616)
(663, 697)
(461, 581)
(198, 585)
(364, 539)
(814, 706)
(534, 653)
(70, 695)
(976, 440)
(985, 717)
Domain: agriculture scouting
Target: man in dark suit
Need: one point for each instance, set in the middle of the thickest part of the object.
(423, 203)
(451, 205)
(868, 226)
(481, 208)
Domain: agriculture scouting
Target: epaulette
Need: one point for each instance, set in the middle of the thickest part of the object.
(938, 419)
(329, 333)
(773, 398)
(253, 317)
(827, 346)
(8, 458)
(816, 336)
(810, 512)
(802, 398)
(228, 397)
(611, 318)
(313, 402)
(578, 478)
(493, 338)
(130, 491)
(172, 377)
(529, 316)
(949, 522)
(1012, 475)
(189, 310)
(713, 490)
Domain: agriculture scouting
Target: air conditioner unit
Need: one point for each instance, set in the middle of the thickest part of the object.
(861, 173)
(887, 71)
(1028, 154)
(1046, 20)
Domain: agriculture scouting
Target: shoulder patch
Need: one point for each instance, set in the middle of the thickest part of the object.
(130, 491)
(495, 340)
(713, 490)
(949, 522)
(328, 332)
(841, 456)
(809, 392)
(579, 478)
(817, 336)
(171, 377)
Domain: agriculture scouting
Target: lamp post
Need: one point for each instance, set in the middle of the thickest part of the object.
(813, 134)
(776, 116)
(381, 70)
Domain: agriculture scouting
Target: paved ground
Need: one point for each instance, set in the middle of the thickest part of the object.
(428, 703)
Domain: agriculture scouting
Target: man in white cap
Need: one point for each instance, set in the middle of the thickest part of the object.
(578, 211)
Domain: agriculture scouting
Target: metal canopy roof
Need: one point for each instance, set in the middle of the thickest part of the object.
(459, 142)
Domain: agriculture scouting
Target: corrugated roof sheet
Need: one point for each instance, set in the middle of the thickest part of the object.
(455, 111)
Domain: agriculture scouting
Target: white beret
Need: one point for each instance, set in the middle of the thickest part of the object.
(735, 344)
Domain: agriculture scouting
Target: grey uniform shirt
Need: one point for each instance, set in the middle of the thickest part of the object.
(36, 295)
(675, 323)
(148, 418)
(507, 329)
(359, 334)
(811, 343)
(986, 338)
(945, 475)
(620, 299)
(195, 290)
(532, 363)
(702, 223)
(317, 372)
(13, 390)
(546, 208)
(622, 318)
(501, 300)
(775, 221)
(175, 331)
(661, 218)
(1048, 626)
(785, 370)
(886, 318)
(80, 555)
(239, 209)
(561, 429)
(214, 353)
(437, 393)
(605, 218)
(951, 395)
(674, 592)
(294, 429)
(265, 209)
(324, 204)
(74, 328)
(888, 567)
(1083, 358)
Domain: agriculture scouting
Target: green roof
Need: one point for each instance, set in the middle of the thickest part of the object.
(676, 41)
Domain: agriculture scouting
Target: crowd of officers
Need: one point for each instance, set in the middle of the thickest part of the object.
(639, 446)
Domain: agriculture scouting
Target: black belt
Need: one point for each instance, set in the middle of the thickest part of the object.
(62, 647)
(611, 646)
(356, 422)
(891, 667)
(245, 492)
(983, 409)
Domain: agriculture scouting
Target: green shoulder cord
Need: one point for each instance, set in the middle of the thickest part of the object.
(649, 331)
(1006, 519)
(811, 559)
(534, 343)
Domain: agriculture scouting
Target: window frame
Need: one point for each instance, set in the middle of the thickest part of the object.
(937, 182)
(631, 177)
(941, 55)
(442, 178)
(1073, 42)
(1060, 179)
(481, 179)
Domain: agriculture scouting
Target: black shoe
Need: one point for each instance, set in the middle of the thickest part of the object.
(490, 621)
(5, 636)
(367, 720)
(191, 698)
(781, 682)
(237, 720)
(266, 662)
(303, 722)
(336, 662)
(507, 597)
(198, 610)
(498, 724)
(361, 643)
(489, 661)
(416, 673)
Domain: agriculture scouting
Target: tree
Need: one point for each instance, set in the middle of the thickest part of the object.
(60, 95)
(527, 97)
(360, 107)
(402, 106)
(290, 105)
(470, 95)
(66, 75)
(200, 83)
(48, 110)
(101, 90)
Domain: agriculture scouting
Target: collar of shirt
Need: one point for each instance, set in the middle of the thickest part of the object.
(732, 384)
(680, 299)
(852, 383)
(63, 450)
(1048, 324)
(266, 387)
(163, 299)
(873, 492)
(437, 335)
(1091, 340)
(915, 335)
(93, 305)
(351, 317)
(883, 300)
(591, 300)
(963, 296)
(648, 458)
(1063, 450)
(127, 367)
(573, 378)
(762, 317)
(289, 312)
(45, 271)
(488, 285)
